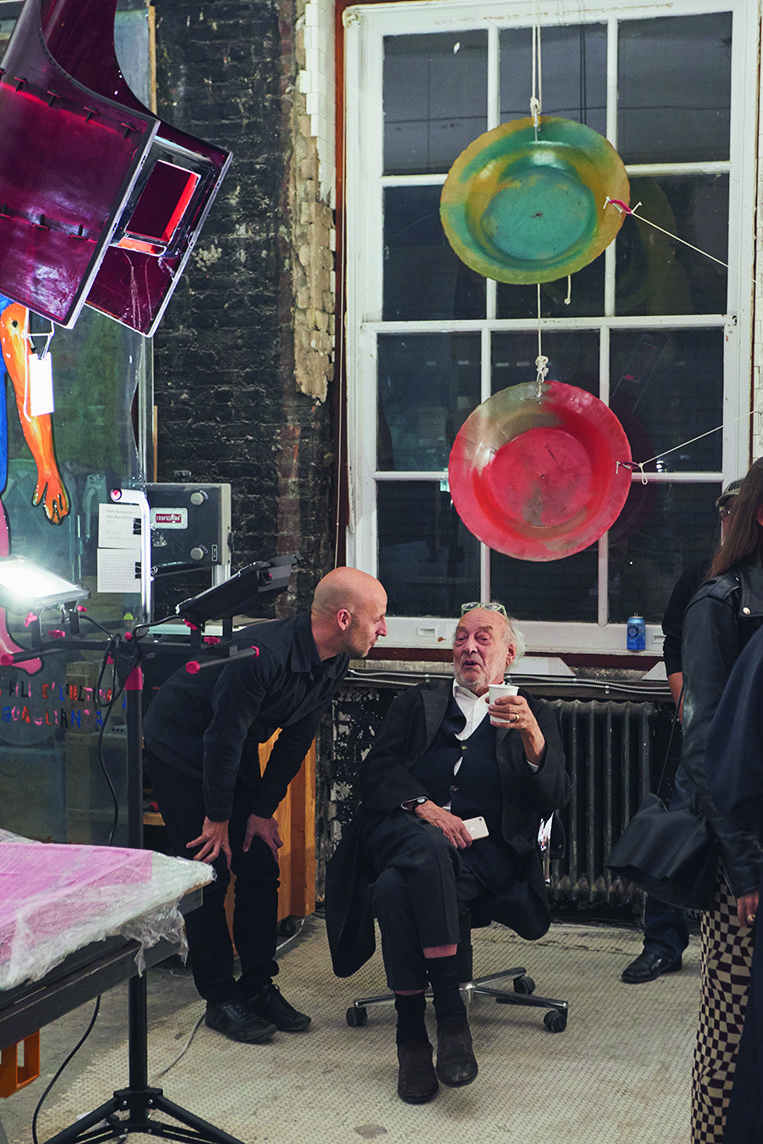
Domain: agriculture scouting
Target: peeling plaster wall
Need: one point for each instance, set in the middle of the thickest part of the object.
(313, 188)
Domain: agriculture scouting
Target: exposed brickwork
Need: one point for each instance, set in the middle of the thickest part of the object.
(230, 406)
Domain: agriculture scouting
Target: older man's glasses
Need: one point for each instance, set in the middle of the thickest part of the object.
(487, 607)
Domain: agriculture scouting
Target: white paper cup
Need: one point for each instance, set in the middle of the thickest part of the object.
(496, 691)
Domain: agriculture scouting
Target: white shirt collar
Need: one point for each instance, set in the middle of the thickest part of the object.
(460, 692)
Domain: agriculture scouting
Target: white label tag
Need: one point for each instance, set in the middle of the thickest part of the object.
(169, 518)
(40, 385)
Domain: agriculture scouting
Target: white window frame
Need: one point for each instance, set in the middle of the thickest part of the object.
(365, 28)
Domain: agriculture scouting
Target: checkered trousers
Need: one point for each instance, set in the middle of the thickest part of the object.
(726, 954)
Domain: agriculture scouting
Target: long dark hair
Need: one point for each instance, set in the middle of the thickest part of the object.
(743, 543)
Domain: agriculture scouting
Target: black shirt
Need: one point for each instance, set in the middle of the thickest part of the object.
(210, 724)
(687, 585)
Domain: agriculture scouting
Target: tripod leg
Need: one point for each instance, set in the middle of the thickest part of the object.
(75, 1131)
(206, 1131)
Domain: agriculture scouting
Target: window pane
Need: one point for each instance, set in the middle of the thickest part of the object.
(657, 275)
(435, 99)
(674, 89)
(423, 277)
(428, 384)
(667, 388)
(574, 73)
(662, 529)
(586, 294)
(428, 560)
(572, 358)
(562, 590)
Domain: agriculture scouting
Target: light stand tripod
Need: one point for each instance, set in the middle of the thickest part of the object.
(132, 1109)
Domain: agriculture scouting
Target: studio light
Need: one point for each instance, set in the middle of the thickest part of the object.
(239, 594)
(24, 584)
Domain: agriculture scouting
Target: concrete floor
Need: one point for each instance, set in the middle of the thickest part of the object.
(618, 1073)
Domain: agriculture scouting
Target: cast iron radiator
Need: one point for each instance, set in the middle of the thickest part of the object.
(615, 754)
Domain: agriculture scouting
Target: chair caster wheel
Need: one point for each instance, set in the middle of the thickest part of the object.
(524, 985)
(356, 1016)
(555, 1021)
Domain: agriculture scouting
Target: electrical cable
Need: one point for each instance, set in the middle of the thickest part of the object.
(113, 693)
(282, 945)
(61, 1068)
(182, 1052)
(84, 616)
(140, 629)
(110, 659)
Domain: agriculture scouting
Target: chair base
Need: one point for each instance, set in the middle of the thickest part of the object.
(555, 1019)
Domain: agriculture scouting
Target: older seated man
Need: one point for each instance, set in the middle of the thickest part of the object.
(444, 755)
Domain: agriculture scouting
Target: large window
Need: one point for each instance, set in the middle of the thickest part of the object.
(653, 327)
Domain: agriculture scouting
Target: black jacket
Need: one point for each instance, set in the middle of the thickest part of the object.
(210, 725)
(719, 622)
(385, 782)
(735, 743)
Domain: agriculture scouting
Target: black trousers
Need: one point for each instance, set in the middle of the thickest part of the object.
(255, 915)
(421, 880)
(744, 1119)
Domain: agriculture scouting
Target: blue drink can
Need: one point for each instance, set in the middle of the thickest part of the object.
(636, 633)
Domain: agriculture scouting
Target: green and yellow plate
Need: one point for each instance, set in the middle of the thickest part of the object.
(520, 209)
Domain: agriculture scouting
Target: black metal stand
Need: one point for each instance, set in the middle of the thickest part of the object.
(133, 1109)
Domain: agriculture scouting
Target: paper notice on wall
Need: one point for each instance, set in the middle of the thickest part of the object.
(118, 570)
(119, 526)
(119, 547)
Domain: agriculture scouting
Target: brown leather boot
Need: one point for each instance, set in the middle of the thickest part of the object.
(456, 1064)
(416, 1079)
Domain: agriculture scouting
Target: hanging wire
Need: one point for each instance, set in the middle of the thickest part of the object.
(541, 361)
(536, 98)
(536, 103)
(639, 465)
(623, 208)
(340, 343)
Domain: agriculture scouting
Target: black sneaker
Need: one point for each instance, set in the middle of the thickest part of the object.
(235, 1020)
(271, 1005)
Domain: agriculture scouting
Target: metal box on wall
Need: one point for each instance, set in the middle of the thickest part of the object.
(190, 526)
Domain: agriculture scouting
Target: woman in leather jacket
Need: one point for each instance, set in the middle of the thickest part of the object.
(719, 621)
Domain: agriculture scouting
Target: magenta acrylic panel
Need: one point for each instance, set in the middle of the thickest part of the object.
(100, 200)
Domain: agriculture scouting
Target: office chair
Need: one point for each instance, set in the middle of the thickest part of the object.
(552, 843)
(522, 993)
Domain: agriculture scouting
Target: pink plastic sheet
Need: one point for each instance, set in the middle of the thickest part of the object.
(55, 899)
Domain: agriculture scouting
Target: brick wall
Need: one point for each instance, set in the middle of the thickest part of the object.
(243, 388)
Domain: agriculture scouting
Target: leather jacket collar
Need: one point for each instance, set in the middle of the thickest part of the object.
(746, 582)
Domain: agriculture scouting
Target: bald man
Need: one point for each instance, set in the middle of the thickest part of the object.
(202, 735)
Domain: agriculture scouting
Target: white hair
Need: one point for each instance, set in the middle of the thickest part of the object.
(515, 637)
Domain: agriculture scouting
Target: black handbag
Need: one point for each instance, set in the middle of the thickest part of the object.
(672, 854)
